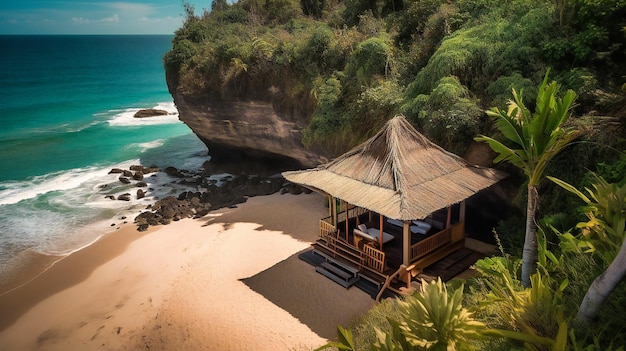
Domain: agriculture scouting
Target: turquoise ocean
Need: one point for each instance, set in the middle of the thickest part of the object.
(66, 111)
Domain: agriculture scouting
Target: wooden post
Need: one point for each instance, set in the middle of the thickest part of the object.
(406, 244)
(333, 205)
(449, 219)
(462, 211)
(380, 239)
(330, 206)
(346, 209)
(462, 218)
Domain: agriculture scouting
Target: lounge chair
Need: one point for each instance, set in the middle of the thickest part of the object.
(426, 226)
(372, 234)
(415, 227)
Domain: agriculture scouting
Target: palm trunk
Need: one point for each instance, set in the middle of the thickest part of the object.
(529, 255)
(602, 287)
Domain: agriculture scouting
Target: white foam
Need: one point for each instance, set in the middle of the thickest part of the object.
(125, 118)
(147, 146)
(69, 129)
(16, 191)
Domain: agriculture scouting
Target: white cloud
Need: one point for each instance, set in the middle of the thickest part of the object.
(80, 20)
(93, 17)
(111, 19)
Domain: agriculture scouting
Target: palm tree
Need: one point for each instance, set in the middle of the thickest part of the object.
(535, 138)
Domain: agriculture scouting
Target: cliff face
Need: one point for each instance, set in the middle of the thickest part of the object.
(248, 128)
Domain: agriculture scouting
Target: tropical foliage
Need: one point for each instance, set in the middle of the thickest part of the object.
(344, 67)
(535, 139)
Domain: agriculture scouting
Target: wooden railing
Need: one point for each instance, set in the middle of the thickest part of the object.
(374, 258)
(431, 243)
(326, 228)
(451, 234)
(368, 255)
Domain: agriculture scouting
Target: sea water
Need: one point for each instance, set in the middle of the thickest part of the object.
(66, 114)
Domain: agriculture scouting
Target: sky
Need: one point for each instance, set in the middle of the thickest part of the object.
(91, 16)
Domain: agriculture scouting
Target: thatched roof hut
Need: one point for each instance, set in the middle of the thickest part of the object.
(398, 173)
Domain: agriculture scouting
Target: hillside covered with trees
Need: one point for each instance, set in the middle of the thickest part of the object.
(346, 67)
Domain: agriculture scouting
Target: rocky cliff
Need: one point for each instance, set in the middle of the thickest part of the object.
(245, 128)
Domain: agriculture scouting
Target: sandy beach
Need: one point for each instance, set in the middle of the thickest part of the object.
(228, 281)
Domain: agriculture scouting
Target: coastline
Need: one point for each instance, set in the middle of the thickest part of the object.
(229, 280)
(48, 275)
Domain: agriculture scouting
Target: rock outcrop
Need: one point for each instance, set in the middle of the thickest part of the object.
(232, 191)
(247, 129)
(150, 112)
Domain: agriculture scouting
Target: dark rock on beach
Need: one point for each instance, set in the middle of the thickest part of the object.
(138, 175)
(150, 112)
(143, 169)
(204, 194)
(233, 190)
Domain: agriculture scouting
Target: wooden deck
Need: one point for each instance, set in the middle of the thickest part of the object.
(348, 262)
(393, 249)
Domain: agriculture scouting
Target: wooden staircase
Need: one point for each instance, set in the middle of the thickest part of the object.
(339, 273)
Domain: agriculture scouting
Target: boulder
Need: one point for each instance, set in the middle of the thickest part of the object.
(127, 173)
(141, 184)
(150, 112)
(173, 172)
(124, 197)
(140, 194)
(124, 180)
(138, 175)
(143, 169)
(115, 170)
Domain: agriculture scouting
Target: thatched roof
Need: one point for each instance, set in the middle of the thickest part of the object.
(398, 173)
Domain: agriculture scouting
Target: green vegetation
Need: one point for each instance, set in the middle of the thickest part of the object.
(573, 299)
(536, 138)
(342, 68)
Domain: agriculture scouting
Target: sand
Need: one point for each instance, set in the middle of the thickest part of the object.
(228, 281)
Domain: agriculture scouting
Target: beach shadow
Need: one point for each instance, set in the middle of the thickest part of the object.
(295, 215)
(316, 301)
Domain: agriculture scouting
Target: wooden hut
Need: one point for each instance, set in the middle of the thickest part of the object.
(403, 179)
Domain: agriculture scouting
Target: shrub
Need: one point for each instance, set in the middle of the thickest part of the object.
(449, 115)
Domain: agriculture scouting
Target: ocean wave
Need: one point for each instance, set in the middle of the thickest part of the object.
(79, 128)
(15, 191)
(125, 118)
(147, 145)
